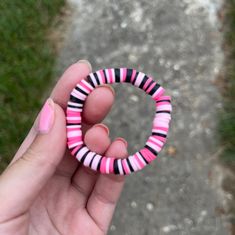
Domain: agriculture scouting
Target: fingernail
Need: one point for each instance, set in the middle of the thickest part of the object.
(85, 62)
(122, 140)
(105, 128)
(109, 87)
(46, 117)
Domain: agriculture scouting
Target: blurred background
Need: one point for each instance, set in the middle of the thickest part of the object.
(188, 46)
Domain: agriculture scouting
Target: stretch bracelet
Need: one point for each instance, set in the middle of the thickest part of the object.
(154, 144)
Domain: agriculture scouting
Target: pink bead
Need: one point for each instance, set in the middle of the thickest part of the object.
(111, 165)
(103, 165)
(125, 166)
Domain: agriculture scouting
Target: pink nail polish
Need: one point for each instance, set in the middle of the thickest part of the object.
(46, 117)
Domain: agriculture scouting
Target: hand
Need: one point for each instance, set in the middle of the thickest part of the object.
(45, 190)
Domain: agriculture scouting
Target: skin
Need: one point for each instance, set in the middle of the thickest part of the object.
(45, 190)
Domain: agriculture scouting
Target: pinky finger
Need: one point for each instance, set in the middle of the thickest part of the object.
(106, 192)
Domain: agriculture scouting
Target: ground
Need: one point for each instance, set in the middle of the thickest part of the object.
(178, 43)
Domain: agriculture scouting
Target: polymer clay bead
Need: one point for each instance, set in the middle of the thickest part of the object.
(153, 145)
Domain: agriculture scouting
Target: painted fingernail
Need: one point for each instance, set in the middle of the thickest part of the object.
(122, 140)
(46, 117)
(85, 62)
(108, 87)
(105, 128)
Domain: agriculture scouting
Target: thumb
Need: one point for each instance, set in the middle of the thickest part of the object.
(22, 181)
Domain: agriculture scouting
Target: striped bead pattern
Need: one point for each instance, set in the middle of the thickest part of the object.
(154, 144)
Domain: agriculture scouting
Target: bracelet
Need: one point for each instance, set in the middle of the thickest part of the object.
(154, 144)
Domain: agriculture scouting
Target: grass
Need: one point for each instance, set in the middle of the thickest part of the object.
(227, 123)
(26, 67)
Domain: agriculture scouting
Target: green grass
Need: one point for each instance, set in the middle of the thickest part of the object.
(26, 67)
(227, 124)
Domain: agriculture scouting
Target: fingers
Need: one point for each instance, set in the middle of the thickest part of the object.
(107, 189)
(98, 104)
(97, 140)
(96, 108)
(60, 95)
(68, 81)
(32, 171)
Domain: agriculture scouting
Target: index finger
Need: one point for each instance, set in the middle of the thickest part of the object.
(60, 95)
(72, 75)
(98, 102)
(61, 92)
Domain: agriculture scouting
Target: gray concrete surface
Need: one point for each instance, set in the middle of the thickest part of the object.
(178, 43)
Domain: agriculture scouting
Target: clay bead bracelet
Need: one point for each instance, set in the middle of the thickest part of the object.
(154, 144)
